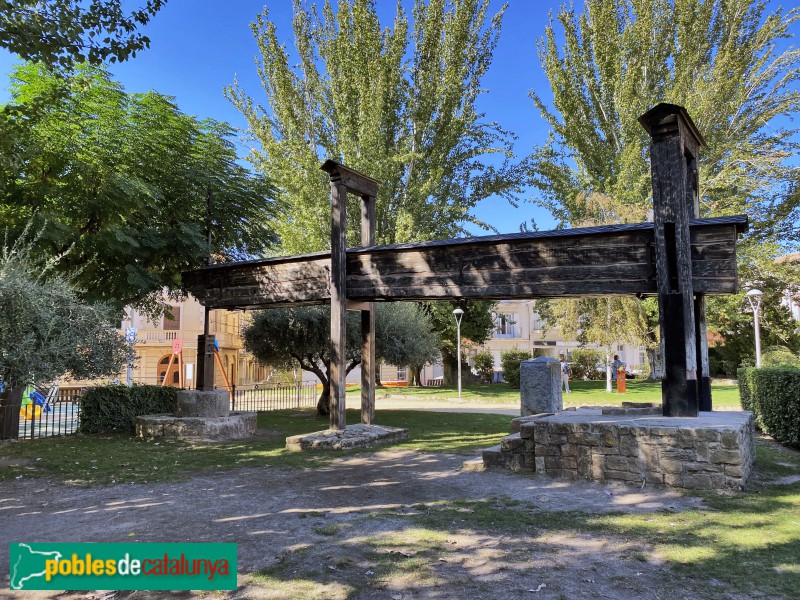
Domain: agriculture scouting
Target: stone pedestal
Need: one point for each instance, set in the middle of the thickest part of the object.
(194, 403)
(540, 386)
(199, 415)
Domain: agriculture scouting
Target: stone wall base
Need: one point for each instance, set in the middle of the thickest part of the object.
(715, 450)
(352, 436)
(234, 426)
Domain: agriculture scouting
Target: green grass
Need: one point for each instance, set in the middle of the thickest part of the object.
(104, 459)
(749, 540)
(584, 393)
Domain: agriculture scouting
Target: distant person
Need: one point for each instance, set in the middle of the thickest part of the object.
(616, 366)
(565, 375)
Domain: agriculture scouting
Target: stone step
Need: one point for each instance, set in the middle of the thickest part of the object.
(474, 464)
(492, 457)
(511, 442)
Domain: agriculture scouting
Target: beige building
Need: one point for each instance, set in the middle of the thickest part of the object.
(183, 323)
(518, 326)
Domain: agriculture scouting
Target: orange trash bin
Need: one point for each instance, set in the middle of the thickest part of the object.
(621, 381)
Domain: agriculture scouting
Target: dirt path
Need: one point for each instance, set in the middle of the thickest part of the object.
(329, 532)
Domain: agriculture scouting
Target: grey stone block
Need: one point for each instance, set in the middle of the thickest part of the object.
(195, 403)
(540, 386)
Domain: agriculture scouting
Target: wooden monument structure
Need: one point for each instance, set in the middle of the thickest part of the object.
(678, 257)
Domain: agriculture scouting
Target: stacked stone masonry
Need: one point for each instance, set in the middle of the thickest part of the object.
(713, 451)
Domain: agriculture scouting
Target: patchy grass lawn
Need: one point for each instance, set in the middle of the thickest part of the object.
(584, 393)
(744, 545)
(118, 458)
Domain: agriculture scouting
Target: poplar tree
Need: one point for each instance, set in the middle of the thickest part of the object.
(396, 103)
(726, 61)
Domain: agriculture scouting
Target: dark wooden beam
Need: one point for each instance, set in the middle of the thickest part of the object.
(615, 260)
(338, 299)
(673, 164)
(355, 182)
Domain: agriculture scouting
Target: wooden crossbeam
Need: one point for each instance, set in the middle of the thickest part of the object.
(614, 260)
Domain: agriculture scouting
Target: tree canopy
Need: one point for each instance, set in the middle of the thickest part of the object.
(396, 103)
(727, 62)
(127, 183)
(279, 336)
(60, 33)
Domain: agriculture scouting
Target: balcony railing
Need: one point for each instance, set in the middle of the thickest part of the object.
(167, 336)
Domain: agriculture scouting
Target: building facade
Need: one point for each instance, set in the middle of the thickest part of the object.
(519, 327)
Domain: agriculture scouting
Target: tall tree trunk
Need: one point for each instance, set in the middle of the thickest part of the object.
(450, 369)
(324, 402)
(10, 405)
(416, 376)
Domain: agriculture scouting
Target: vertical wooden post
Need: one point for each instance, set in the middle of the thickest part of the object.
(338, 302)
(673, 159)
(368, 321)
(205, 363)
(344, 180)
(701, 333)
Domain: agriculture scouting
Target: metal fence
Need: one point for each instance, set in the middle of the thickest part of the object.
(274, 397)
(60, 417)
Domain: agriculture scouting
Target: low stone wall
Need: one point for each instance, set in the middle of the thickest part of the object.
(713, 451)
(234, 426)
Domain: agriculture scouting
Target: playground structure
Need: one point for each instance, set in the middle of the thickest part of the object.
(34, 404)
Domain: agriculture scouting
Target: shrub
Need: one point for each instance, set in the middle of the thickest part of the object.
(115, 407)
(776, 356)
(484, 364)
(510, 360)
(773, 394)
(584, 363)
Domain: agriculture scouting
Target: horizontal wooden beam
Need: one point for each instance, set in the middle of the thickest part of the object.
(615, 260)
(355, 182)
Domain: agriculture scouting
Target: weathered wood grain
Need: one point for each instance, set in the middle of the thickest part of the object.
(540, 265)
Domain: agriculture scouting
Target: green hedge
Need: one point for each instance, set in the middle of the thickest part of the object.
(115, 407)
(510, 360)
(773, 394)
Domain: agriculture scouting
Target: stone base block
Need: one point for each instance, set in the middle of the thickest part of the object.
(715, 450)
(352, 436)
(194, 403)
(234, 426)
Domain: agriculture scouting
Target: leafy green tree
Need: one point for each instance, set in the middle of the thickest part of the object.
(279, 336)
(60, 33)
(584, 363)
(128, 184)
(723, 61)
(47, 331)
(719, 59)
(510, 361)
(484, 364)
(405, 337)
(398, 104)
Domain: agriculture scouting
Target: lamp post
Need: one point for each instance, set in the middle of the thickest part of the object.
(458, 313)
(754, 298)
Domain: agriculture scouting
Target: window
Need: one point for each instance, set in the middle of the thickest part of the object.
(506, 325)
(402, 374)
(172, 323)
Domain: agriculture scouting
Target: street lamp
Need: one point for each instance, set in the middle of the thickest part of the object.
(754, 298)
(458, 313)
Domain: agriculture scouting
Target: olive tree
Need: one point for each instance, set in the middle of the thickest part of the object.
(47, 331)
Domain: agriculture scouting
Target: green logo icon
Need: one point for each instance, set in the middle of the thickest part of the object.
(125, 566)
